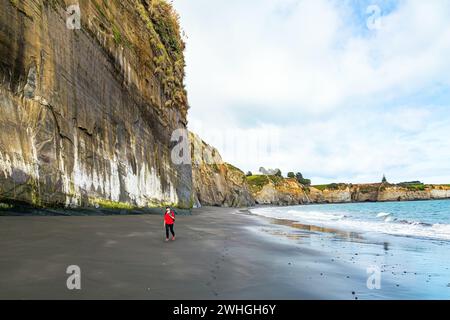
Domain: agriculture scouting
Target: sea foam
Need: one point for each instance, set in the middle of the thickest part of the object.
(382, 222)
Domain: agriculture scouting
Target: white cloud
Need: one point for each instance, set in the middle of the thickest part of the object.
(342, 101)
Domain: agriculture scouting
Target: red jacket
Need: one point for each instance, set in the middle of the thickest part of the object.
(169, 219)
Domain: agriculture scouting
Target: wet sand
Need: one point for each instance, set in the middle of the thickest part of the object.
(218, 254)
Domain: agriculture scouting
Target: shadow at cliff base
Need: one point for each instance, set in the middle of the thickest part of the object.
(19, 209)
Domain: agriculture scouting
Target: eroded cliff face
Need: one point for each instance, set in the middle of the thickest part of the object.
(86, 115)
(378, 192)
(216, 183)
(281, 191)
(277, 190)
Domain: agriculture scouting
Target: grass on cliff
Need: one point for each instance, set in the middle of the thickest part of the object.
(367, 188)
(116, 34)
(5, 206)
(257, 182)
(108, 204)
(330, 186)
(413, 186)
(163, 30)
(231, 167)
(320, 187)
(166, 23)
(162, 23)
(14, 3)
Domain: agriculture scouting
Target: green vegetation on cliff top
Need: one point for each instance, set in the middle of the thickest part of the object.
(413, 186)
(365, 188)
(162, 22)
(163, 28)
(257, 182)
(330, 186)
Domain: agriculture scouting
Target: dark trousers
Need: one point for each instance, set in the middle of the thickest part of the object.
(169, 227)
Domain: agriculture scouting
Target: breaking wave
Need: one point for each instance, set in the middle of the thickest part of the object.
(381, 222)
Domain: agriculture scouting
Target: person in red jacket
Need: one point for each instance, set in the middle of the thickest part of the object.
(169, 220)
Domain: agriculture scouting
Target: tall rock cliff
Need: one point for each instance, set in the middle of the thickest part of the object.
(86, 115)
(216, 183)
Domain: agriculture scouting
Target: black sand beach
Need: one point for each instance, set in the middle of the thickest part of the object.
(218, 254)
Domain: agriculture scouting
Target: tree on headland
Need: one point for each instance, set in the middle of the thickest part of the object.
(305, 182)
(291, 175)
(410, 182)
(278, 173)
(302, 180)
(249, 174)
(384, 180)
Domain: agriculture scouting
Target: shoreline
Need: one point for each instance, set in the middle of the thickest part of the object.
(341, 226)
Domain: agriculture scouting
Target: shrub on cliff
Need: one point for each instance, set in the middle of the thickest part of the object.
(162, 22)
(413, 186)
(305, 182)
(166, 23)
(300, 178)
(257, 182)
(331, 186)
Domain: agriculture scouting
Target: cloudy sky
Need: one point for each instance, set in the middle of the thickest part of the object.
(341, 90)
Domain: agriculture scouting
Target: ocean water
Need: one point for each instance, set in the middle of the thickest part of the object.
(409, 242)
(419, 219)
